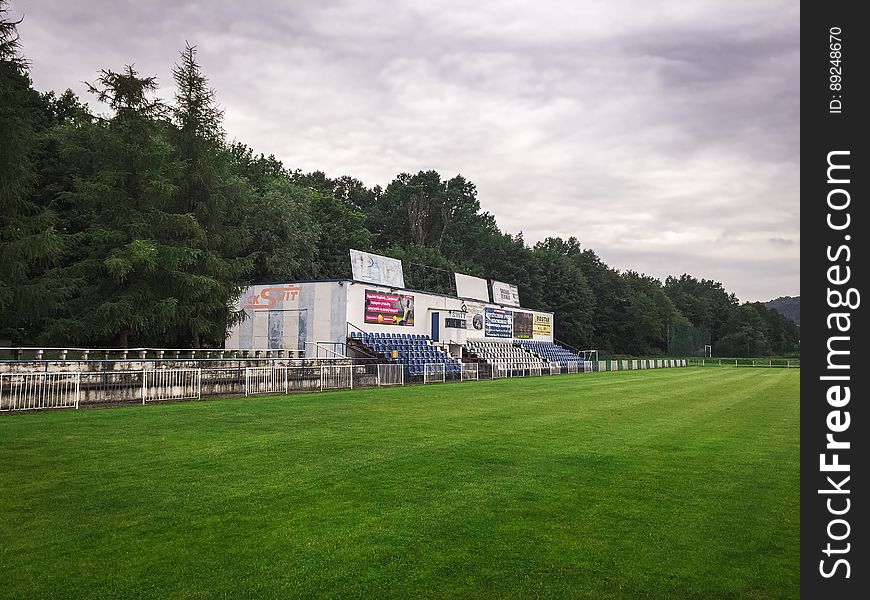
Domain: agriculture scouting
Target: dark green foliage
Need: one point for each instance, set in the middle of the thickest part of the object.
(141, 227)
(29, 242)
(648, 315)
(337, 208)
(209, 191)
(704, 302)
(136, 252)
(284, 232)
(564, 289)
(754, 330)
(425, 268)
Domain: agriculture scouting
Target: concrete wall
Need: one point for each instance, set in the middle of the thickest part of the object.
(447, 308)
(290, 316)
(294, 315)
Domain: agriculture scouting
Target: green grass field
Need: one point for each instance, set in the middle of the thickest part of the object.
(674, 483)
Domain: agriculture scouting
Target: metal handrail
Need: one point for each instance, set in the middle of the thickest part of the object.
(325, 349)
(41, 352)
(349, 325)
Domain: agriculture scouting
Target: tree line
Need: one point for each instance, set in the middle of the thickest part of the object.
(141, 226)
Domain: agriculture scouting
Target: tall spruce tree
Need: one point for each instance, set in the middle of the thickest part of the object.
(135, 255)
(28, 240)
(207, 189)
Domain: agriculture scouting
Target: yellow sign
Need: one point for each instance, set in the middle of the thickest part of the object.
(543, 325)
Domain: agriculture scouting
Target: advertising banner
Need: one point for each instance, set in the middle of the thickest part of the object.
(505, 293)
(543, 325)
(389, 309)
(475, 318)
(471, 287)
(373, 268)
(498, 322)
(523, 325)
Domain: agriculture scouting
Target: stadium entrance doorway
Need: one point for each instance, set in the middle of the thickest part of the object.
(436, 329)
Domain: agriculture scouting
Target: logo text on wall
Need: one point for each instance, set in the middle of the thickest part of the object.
(269, 297)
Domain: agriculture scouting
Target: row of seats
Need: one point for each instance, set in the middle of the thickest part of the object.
(505, 355)
(415, 351)
(412, 350)
(551, 352)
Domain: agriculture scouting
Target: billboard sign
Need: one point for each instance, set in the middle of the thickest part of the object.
(389, 309)
(523, 325)
(543, 325)
(497, 323)
(373, 268)
(471, 287)
(505, 293)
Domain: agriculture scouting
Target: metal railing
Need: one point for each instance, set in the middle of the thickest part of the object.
(328, 349)
(265, 380)
(36, 391)
(171, 384)
(30, 353)
(768, 363)
(470, 372)
(434, 373)
(64, 389)
(391, 374)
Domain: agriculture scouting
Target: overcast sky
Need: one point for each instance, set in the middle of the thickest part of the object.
(664, 135)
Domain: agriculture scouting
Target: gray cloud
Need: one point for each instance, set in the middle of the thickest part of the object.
(664, 136)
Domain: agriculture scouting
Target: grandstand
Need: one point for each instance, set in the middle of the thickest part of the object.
(409, 350)
(317, 335)
(374, 316)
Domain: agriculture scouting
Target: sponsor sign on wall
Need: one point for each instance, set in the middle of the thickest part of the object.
(543, 325)
(475, 317)
(523, 325)
(268, 297)
(373, 268)
(471, 287)
(498, 323)
(505, 293)
(389, 309)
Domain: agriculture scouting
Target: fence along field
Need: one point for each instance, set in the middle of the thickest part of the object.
(40, 391)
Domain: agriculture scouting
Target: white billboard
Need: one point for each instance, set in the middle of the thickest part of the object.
(505, 293)
(471, 287)
(373, 268)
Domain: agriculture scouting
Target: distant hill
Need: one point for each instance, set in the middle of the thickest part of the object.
(788, 306)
